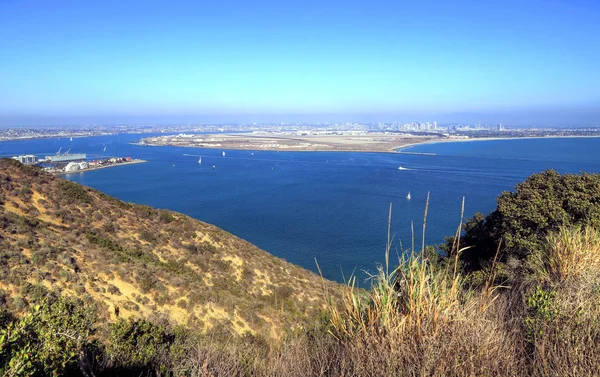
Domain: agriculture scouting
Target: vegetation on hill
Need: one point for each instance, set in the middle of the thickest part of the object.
(453, 314)
(128, 260)
(540, 205)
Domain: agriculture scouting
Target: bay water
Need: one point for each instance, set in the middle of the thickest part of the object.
(328, 206)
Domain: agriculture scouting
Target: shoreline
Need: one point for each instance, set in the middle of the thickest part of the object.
(390, 150)
(384, 147)
(133, 162)
(401, 149)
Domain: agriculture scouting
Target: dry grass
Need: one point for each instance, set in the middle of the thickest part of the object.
(64, 236)
(572, 253)
(422, 320)
(418, 319)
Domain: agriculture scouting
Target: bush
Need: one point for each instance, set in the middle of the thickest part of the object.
(145, 211)
(166, 217)
(138, 343)
(147, 236)
(146, 280)
(113, 290)
(70, 192)
(103, 242)
(50, 340)
(540, 205)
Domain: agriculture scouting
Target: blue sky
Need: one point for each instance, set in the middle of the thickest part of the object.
(505, 61)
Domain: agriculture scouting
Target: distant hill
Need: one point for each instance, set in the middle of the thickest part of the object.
(134, 260)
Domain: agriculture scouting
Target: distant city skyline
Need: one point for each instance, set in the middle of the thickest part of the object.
(583, 117)
(521, 63)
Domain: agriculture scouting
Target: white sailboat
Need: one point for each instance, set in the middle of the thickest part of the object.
(408, 196)
(200, 160)
(105, 148)
(402, 168)
(223, 153)
(71, 139)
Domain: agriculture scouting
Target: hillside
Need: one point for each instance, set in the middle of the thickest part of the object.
(530, 310)
(133, 260)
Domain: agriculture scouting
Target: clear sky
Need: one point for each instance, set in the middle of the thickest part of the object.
(510, 61)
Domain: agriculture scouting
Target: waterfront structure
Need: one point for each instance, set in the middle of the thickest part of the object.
(72, 166)
(27, 159)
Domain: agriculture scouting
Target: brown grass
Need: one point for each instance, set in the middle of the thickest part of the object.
(572, 253)
(420, 318)
(79, 241)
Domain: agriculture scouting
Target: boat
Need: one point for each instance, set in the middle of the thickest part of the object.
(214, 167)
(252, 154)
(71, 139)
(200, 160)
(402, 168)
(105, 148)
(223, 153)
(408, 196)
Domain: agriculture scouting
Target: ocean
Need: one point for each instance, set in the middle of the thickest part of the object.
(331, 207)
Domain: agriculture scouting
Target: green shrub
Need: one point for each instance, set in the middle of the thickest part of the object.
(138, 343)
(147, 236)
(146, 280)
(540, 310)
(284, 292)
(145, 211)
(49, 340)
(70, 192)
(541, 204)
(103, 242)
(109, 227)
(166, 217)
(113, 290)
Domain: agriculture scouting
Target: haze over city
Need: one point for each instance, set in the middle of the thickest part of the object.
(513, 62)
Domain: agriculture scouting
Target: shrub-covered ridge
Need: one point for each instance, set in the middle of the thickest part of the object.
(525, 311)
(128, 260)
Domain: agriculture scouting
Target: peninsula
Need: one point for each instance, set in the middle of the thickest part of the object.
(394, 139)
(347, 141)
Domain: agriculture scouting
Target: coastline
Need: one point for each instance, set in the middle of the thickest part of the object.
(402, 148)
(373, 144)
(388, 150)
(133, 162)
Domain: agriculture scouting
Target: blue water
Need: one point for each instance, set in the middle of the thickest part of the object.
(332, 206)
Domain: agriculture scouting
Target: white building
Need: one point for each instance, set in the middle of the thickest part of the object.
(26, 159)
(72, 166)
(83, 165)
